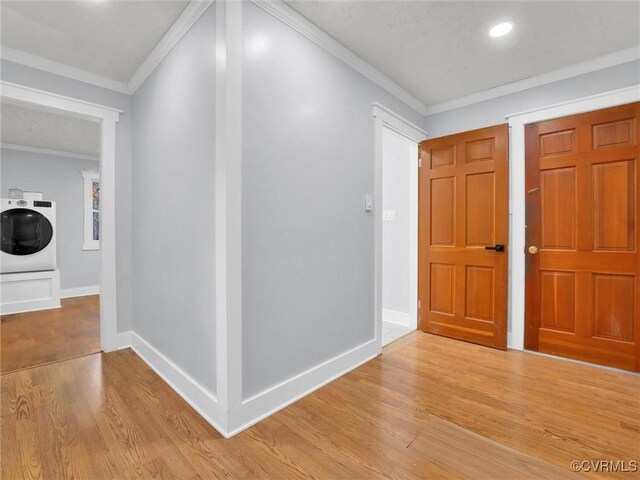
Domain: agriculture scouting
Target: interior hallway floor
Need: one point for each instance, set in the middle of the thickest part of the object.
(428, 407)
(36, 338)
(392, 331)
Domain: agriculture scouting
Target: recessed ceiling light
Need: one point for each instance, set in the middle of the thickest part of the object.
(501, 29)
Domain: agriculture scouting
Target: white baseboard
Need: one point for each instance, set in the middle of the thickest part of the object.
(393, 316)
(202, 401)
(278, 397)
(80, 291)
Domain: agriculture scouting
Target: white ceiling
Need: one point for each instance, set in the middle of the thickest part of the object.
(440, 50)
(107, 38)
(44, 129)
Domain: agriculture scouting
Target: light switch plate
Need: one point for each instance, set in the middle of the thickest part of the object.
(368, 203)
(389, 215)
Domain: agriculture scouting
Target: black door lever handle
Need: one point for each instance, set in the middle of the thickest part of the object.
(497, 248)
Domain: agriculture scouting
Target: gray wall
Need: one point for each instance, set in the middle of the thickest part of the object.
(12, 72)
(397, 156)
(307, 243)
(173, 205)
(59, 179)
(493, 112)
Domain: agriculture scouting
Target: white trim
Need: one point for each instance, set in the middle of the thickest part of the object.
(276, 398)
(297, 22)
(48, 151)
(517, 123)
(606, 61)
(39, 63)
(228, 195)
(185, 21)
(88, 178)
(200, 399)
(393, 316)
(107, 117)
(80, 291)
(16, 93)
(386, 118)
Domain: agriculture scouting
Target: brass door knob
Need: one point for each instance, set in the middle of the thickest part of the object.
(532, 249)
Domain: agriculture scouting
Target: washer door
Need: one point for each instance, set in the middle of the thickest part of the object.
(24, 231)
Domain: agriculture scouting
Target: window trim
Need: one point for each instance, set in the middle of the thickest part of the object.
(88, 176)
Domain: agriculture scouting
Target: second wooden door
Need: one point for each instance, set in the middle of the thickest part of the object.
(583, 293)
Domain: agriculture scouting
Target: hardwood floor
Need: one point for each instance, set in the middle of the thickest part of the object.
(36, 338)
(428, 407)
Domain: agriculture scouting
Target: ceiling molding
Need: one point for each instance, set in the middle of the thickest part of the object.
(185, 21)
(293, 19)
(48, 151)
(61, 69)
(599, 63)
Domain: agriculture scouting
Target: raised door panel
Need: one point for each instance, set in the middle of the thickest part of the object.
(557, 300)
(443, 157)
(614, 202)
(613, 306)
(480, 209)
(479, 293)
(558, 208)
(614, 134)
(480, 150)
(558, 143)
(443, 191)
(442, 297)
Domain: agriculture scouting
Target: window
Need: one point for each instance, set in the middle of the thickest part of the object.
(91, 240)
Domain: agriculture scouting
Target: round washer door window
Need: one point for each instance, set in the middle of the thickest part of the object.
(24, 231)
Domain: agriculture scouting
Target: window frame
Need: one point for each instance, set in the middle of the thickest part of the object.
(89, 177)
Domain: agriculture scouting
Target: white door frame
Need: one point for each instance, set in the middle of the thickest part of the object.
(386, 118)
(107, 118)
(517, 123)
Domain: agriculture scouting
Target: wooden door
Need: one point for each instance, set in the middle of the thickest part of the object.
(463, 234)
(582, 288)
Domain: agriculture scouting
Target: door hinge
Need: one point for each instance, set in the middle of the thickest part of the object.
(419, 162)
(418, 304)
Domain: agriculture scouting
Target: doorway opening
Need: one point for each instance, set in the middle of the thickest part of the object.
(50, 263)
(57, 297)
(399, 235)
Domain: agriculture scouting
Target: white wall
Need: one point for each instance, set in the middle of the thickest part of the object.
(173, 205)
(307, 243)
(20, 74)
(59, 179)
(398, 155)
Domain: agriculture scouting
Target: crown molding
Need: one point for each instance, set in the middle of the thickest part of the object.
(185, 21)
(599, 63)
(48, 151)
(181, 26)
(39, 63)
(293, 19)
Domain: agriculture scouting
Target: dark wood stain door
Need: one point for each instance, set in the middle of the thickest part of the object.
(582, 288)
(463, 209)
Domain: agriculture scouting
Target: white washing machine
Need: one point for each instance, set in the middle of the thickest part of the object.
(28, 233)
